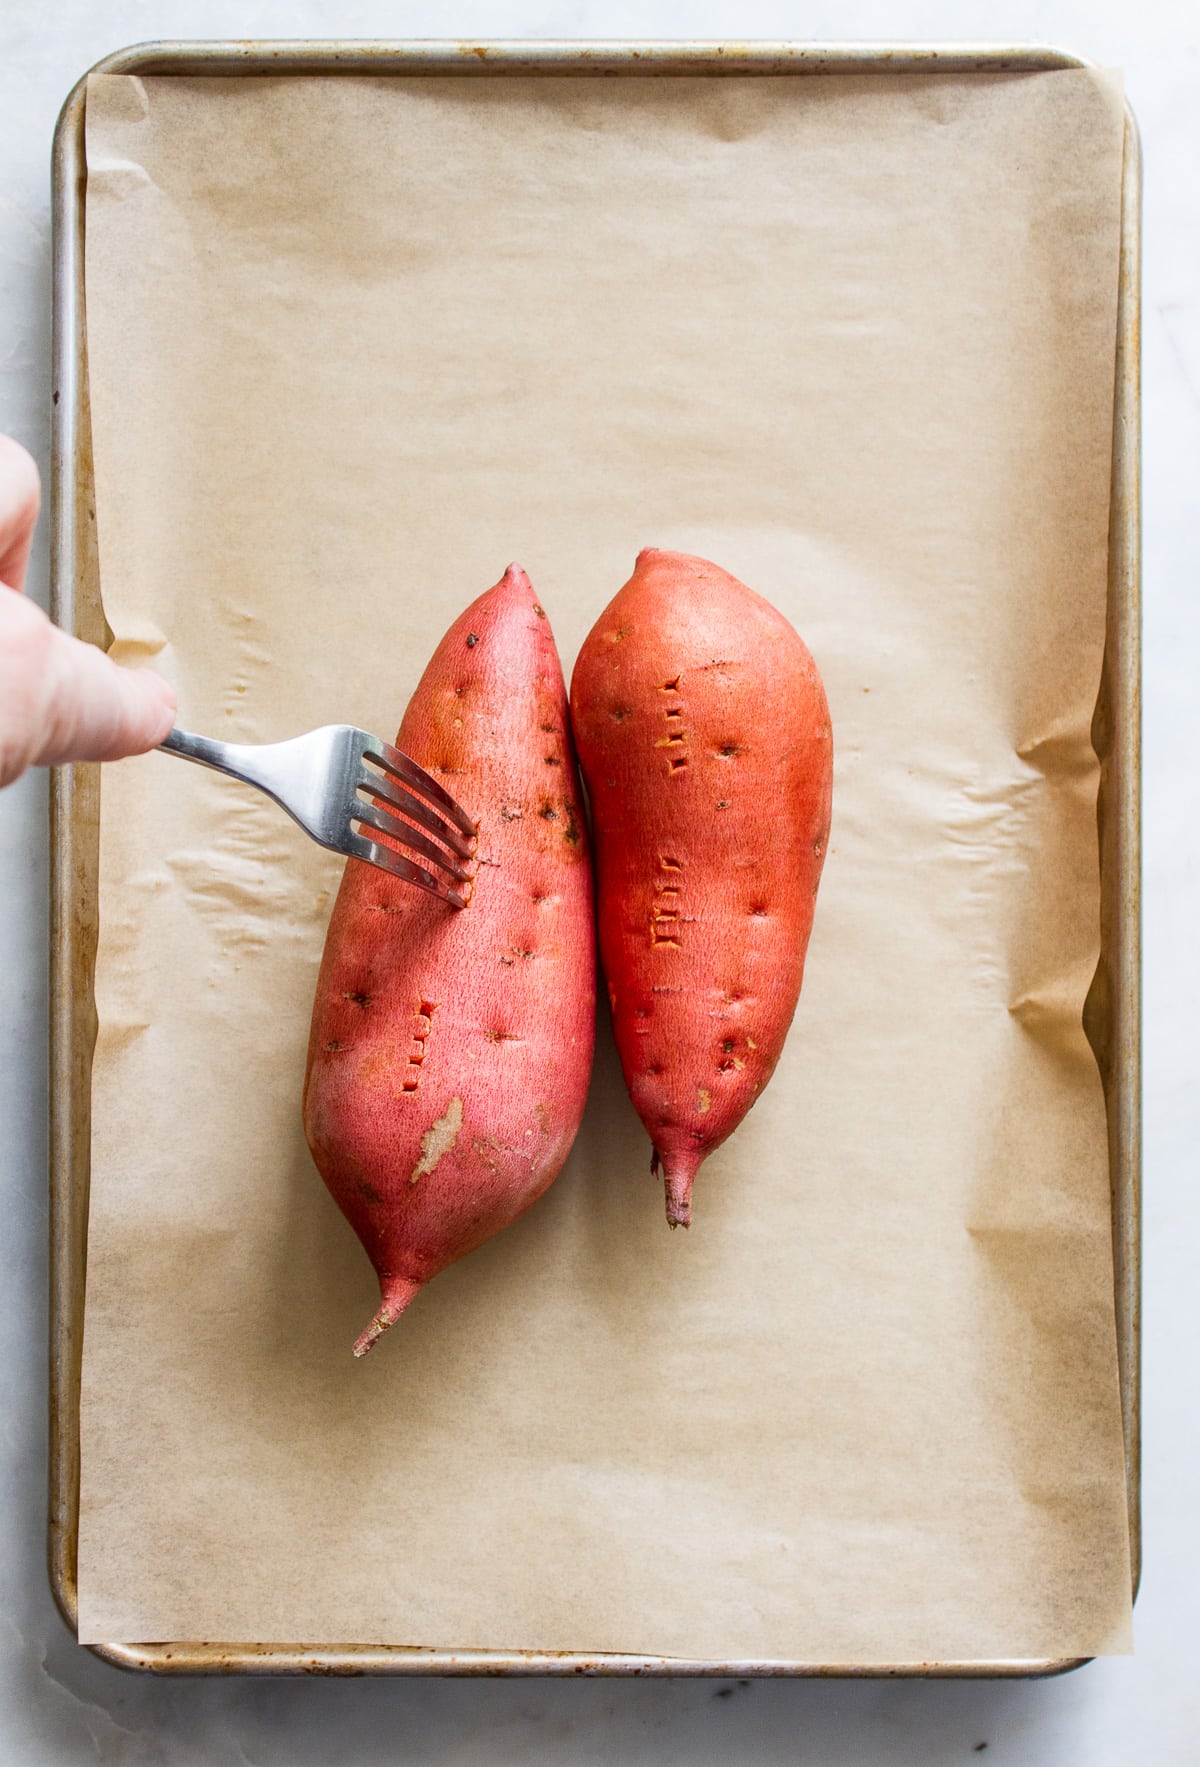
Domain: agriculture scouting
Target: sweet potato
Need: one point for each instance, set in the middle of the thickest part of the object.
(451, 1048)
(705, 744)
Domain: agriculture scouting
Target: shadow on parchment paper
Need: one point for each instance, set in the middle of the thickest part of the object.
(620, 1200)
(572, 1271)
(322, 1290)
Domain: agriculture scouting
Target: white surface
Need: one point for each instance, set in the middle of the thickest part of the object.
(58, 1704)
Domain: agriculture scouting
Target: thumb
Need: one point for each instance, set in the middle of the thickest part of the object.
(99, 711)
(62, 700)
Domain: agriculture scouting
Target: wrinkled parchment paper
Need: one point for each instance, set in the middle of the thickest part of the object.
(357, 343)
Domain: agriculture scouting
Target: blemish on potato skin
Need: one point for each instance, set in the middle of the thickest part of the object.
(487, 1146)
(472, 640)
(438, 1139)
(703, 1099)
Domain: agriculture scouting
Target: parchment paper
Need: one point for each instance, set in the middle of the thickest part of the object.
(357, 343)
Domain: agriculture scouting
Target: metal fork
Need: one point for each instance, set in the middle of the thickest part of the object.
(326, 782)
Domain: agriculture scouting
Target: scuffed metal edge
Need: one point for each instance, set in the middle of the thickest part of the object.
(570, 56)
(72, 907)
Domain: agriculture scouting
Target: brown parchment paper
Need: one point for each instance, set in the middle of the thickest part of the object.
(355, 344)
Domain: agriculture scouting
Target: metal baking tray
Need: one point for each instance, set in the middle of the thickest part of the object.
(1113, 1011)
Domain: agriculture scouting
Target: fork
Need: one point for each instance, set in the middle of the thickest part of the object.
(326, 782)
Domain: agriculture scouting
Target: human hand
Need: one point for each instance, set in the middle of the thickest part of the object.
(60, 699)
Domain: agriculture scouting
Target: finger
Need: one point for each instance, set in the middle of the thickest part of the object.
(61, 700)
(20, 496)
(101, 712)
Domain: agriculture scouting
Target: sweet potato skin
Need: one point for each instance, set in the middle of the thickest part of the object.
(705, 743)
(450, 1050)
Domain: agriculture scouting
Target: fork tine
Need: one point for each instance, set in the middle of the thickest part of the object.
(386, 823)
(421, 781)
(379, 785)
(357, 846)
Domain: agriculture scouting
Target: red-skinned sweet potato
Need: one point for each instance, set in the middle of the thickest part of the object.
(704, 740)
(450, 1049)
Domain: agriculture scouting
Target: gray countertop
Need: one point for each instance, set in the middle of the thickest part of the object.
(58, 1704)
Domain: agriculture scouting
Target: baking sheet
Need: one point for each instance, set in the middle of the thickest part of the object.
(354, 344)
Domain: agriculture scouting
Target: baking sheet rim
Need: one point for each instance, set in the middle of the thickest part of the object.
(1115, 1000)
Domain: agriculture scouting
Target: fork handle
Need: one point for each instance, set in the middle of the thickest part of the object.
(283, 770)
(248, 762)
(204, 749)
